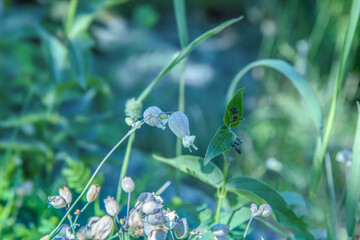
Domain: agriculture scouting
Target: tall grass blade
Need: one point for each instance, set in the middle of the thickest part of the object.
(302, 85)
(353, 193)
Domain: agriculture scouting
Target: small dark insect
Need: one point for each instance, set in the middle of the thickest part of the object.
(234, 118)
(238, 149)
(233, 144)
(234, 110)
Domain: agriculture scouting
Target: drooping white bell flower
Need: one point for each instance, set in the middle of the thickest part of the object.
(157, 118)
(179, 125)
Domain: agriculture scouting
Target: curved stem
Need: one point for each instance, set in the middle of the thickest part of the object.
(247, 227)
(94, 175)
(124, 166)
(222, 193)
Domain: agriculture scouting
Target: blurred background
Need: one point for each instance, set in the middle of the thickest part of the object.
(62, 100)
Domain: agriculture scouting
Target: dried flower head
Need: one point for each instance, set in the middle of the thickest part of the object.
(156, 219)
(179, 125)
(171, 218)
(151, 207)
(159, 234)
(135, 221)
(92, 193)
(66, 195)
(181, 228)
(127, 184)
(133, 109)
(157, 118)
(111, 206)
(102, 228)
(57, 201)
(220, 229)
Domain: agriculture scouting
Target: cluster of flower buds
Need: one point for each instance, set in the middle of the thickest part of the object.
(236, 144)
(220, 231)
(178, 124)
(62, 200)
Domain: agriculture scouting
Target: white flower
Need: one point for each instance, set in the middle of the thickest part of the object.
(179, 125)
(127, 184)
(111, 206)
(157, 118)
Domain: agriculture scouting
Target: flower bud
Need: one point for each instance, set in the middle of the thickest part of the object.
(102, 228)
(253, 208)
(158, 235)
(179, 125)
(92, 193)
(151, 207)
(57, 201)
(111, 206)
(133, 109)
(156, 219)
(220, 229)
(129, 121)
(157, 118)
(66, 195)
(265, 210)
(127, 184)
(181, 228)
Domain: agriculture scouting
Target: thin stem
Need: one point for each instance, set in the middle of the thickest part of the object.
(247, 227)
(117, 229)
(330, 181)
(72, 225)
(71, 16)
(128, 206)
(172, 235)
(222, 193)
(124, 166)
(94, 175)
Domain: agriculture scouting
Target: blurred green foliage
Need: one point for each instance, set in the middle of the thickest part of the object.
(62, 96)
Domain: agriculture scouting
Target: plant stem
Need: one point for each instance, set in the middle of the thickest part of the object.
(71, 16)
(330, 183)
(222, 193)
(248, 225)
(94, 175)
(128, 206)
(124, 166)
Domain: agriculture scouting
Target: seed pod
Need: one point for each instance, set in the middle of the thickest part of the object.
(171, 218)
(127, 184)
(181, 228)
(148, 229)
(92, 193)
(111, 206)
(220, 229)
(133, 109)
(158, 235)
(66, 195)
(179, 125)
(135, 221)
(157, 118)
(57, 201)
(151, 207)
(102, 228)
(265, 210)
(156, 219)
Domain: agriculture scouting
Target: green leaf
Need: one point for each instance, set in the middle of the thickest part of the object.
(352, 197)
(260, 192)
(184, 52)
(219, 143)
(302, 85)
(194, 166)
(231, 117)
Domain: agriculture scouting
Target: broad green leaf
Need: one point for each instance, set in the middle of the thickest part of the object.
(353, 194)
(184, 52)
(194, 166)
(219, 143)
(260, 192)
(302, 85)
(234, 110)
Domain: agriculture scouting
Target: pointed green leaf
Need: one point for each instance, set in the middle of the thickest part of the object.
(260, 192)
(234, 110)
(194, 166)
(219, 143)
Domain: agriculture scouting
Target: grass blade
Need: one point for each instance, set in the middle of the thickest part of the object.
(353, 194)
(183, 53)
(301, 84)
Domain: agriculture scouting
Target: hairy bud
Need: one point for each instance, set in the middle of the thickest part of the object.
(111, 206)
(133, 109)
(92, 193)
(179, 125)
(156, 117)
